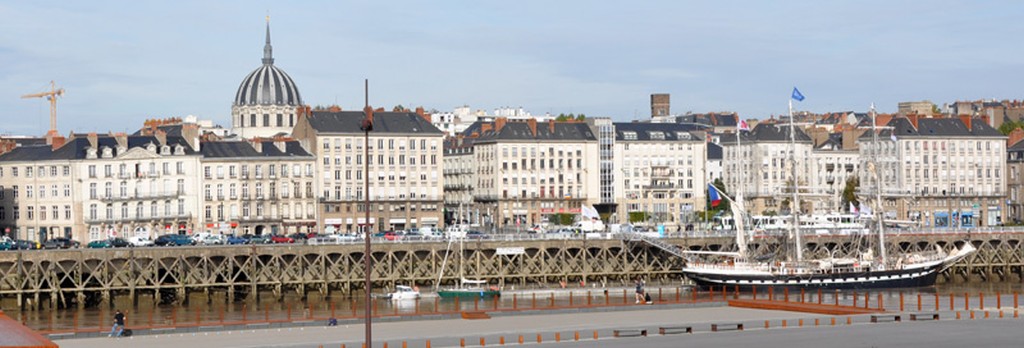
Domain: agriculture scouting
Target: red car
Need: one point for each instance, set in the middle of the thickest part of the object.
(392, 236)
(281, 239)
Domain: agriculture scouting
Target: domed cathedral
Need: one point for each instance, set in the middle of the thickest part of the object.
(266, 101)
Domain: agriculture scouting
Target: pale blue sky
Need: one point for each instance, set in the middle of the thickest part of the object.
(122, 62)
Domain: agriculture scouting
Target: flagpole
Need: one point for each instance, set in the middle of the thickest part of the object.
(878, 188)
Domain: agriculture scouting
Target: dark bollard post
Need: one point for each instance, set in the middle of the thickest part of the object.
(950, 301)
(771, 293)
(936, 301)
(967, 301)
(981, 300)
(533, 305)
(736, 292)
(785, 293)
(855, 299)
(801, 295)
(515, 304)
(819, 295)
(570, 299)
(999, 301)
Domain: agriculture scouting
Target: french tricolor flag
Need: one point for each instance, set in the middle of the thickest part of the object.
(713, 194)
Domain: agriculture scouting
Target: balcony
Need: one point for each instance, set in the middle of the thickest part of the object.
(141, 197)
(160, 218)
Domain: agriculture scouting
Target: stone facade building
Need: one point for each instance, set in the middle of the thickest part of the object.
(759, 167)
(258, 187)
(405, 155)
(663, 173)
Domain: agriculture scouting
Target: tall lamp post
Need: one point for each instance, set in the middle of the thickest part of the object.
(366, 126)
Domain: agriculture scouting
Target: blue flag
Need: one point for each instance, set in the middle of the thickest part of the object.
(797, 95)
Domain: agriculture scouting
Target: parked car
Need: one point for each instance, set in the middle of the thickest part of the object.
(213, 239)
(278, 239)
(140, 241)
(116, 242)
(173, 240)
(392, 236)
(61, 243)
(6, 245)
(299, 237)
(235, 240)
(22, 244)
(472, 234)
(256, 239)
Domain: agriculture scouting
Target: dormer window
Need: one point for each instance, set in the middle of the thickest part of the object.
(108, 152)
(151, 148)
(179, 150)
(656, 135)
(90, 153)
(165, 150)
(683, 135)
(629, 135)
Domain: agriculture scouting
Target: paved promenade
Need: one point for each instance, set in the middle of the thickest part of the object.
(448, 332)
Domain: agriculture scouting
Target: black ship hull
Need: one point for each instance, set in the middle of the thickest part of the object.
(906, 278)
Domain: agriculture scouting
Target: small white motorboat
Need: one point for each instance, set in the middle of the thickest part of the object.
(403, 292)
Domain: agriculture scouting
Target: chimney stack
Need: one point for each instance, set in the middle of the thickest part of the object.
(551, 126)
(257, 145)
(93, 140)
(966, 119)
(532, 122)
(423, 114)
(161, 137)
(913, 119)
(499, 123)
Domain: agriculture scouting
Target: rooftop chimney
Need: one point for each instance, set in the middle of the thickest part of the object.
(551, 126)
(532, 122)
(93, 140)
(257, 144)
(499, 123)
(161, 137)
(966, 119)
(913, 119)
(423, 114)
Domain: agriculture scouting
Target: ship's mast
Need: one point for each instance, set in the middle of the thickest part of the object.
(878, 188)
(794, 206)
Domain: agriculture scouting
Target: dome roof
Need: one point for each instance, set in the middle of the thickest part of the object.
(268, 84)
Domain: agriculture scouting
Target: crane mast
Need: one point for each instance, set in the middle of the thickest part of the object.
(50, 95)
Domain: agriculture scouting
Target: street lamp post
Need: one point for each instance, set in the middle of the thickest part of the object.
(366, 127)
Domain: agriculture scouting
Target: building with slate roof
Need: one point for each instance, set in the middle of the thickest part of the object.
(266, 101)
(662, 176)
(758, 167)
(405, 175)
(714, 165)
(529, 170)
(459, 177)
(258, 187)
(833, 165)
(937, 172)
(1015, 179)
(97, 186)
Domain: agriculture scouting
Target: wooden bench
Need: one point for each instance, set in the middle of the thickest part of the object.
(665, 330)
(733, 326)
(475, 315)
(876, 317)
(630, 333)
(916, 316)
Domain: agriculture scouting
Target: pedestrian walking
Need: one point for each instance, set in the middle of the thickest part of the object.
(639, 291)
(118, 327)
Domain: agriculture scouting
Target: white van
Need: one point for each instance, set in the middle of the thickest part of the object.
(431, 232)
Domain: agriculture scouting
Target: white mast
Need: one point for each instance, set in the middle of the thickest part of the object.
(737, 218)
(878, 188)
(794, 206)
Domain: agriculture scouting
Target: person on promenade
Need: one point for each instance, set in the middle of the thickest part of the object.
(118, 327)
(639, 291)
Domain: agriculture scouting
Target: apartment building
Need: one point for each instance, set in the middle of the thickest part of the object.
(459, 176)
(663, 173)
(833, 165)
(950, 172)
(97, 186)
(759, 166)
(263, 186)
(1015, 177)
(405, 157)
(529, 170)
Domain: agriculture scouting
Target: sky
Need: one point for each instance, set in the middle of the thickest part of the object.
(122, 62)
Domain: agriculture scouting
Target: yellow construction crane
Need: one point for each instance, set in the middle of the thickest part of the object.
(51, 95)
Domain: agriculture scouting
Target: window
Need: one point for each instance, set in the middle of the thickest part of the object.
(92, 212)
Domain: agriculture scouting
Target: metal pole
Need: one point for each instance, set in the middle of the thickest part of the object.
(367, 126)
(794, 207)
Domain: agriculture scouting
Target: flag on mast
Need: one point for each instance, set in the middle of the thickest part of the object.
(742, 126)
(853, 210)
(796, 95)
(714, 196)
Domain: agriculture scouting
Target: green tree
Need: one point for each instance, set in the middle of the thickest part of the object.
(562, 219)
(581, 117)
(849, 192)
(1009, 126)
(637, 216)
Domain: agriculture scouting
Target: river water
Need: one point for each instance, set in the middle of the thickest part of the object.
(213, 311)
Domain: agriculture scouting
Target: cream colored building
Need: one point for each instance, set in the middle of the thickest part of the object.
(662, 173)
(258, 187)
(833, 166)
(108, 185)
(938, 172)
(459, 177)
(759, 167)
(405, 175)
(529, 170)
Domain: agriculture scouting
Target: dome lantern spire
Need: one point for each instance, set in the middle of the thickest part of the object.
(268, 52)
